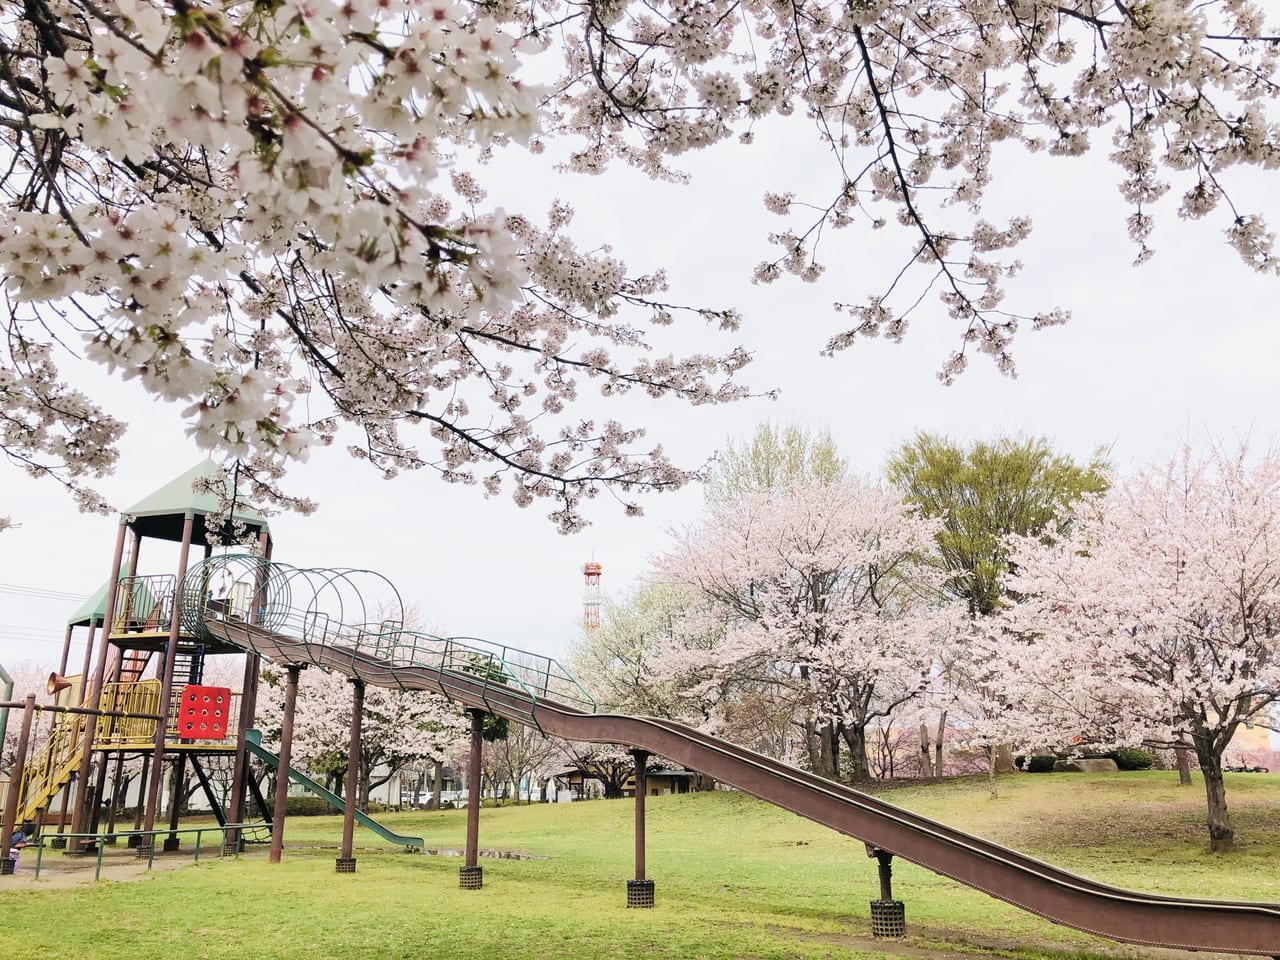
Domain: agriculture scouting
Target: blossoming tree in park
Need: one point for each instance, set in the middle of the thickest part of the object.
(268, 212)
(1156, 618)
(398, 728)
(825, 592)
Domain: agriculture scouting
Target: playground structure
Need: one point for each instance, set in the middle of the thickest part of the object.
(141, 692)
(300, 618)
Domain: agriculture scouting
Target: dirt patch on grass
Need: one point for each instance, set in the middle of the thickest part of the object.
(933, 943)
(59, 871)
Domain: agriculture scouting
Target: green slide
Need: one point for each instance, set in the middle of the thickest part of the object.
(253, 740)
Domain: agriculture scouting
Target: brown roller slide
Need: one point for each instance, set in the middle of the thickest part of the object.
(1225, 927)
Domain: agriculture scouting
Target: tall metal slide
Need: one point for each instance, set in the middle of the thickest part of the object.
(300, 616)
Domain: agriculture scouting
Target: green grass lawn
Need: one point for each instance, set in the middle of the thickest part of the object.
(735, 878)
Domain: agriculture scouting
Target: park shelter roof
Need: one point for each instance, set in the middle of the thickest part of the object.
(161, 515)
(94, 610)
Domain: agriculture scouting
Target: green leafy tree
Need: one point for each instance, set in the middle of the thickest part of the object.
(981, 494)
(985, 492)
(774, 459)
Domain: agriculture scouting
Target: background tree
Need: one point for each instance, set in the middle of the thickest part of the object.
(1155, 617)
(982, 494)
(608, 763)
(398, 728)
(774, 459)
(521, 756)
(239, 206)
(619, 660)
(29, 676)
(826, 591)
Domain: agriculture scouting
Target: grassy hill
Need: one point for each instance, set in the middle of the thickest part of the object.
(735, 878)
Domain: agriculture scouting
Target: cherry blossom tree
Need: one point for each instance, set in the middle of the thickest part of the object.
(825, 592)
(398, 727)
(268, 212)
(609, 763)
(29, 676)
(1155, 618)
(522, 757)
(619, 660)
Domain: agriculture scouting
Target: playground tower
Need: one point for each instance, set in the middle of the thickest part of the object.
(143, 674)
(591, 596)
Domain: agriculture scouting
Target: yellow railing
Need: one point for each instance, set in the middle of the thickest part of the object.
(51, 769)
(142, 696)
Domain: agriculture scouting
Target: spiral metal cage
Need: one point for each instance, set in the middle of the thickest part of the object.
(359, 611)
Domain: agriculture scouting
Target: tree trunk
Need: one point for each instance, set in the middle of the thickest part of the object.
(855, 738)
(937, 744)
(1184, 766)
(992, 752)
(437, 784)
(1221, 836)
(926, 765)
(831, 749)
(1003, 758)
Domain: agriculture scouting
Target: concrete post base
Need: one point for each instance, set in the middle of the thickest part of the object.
(170, 844)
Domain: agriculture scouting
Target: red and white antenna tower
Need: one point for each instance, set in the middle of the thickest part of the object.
(591, 596)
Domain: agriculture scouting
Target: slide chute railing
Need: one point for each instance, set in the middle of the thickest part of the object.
(361, 612)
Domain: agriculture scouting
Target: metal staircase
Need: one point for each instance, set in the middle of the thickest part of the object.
(51, 770)
(133, 664)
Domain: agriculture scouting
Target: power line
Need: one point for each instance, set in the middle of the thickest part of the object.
(29, 634)
(40, 593)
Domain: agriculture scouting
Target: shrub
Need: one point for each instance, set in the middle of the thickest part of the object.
(306, 807)
(1041, 764)
(1132, 758)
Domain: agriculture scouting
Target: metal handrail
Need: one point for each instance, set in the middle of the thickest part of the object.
(287, 600)
(39, 844)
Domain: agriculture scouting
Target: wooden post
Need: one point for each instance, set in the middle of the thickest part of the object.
(885, 861)
(282, 766)
(171, 842)
(347, 863)
(471, 875)
(641, 788)
(240, 771)
(9, 825)
(166, 689)
(640, 890)
(66, 652)
(93, 691)
(248, 705)
(888, 916)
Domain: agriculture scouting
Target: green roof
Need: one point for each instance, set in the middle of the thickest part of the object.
(162, 513)
(95, 608)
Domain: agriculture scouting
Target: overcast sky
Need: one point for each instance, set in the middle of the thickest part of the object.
(1186, 346)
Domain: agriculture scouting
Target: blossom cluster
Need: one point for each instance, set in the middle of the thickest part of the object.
(241, 205)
